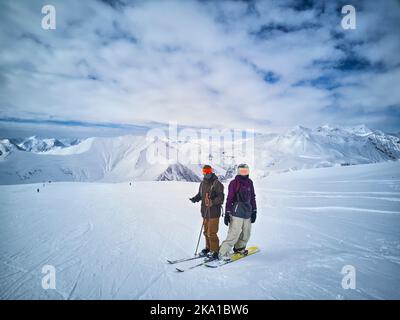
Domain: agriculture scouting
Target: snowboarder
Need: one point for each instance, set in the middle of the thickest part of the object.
(211, 195)
(240, 212)
(37, 190)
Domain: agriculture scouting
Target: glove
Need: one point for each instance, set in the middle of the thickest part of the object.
(192, 199)
(227, 218)
(253, 216)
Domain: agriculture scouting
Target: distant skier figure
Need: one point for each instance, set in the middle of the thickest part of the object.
(37, 190)
(240, 212)
(211, 195)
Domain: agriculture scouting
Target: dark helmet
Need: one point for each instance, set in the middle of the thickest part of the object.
(243, 169)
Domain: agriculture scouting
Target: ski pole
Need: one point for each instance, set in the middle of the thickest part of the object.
(201, 231)
(198, 241)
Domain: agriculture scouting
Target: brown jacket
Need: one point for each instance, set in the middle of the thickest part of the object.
(215, 191)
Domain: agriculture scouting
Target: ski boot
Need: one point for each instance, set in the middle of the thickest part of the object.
(204, 252)
(242, 251)
(225, 258)
(213, 255)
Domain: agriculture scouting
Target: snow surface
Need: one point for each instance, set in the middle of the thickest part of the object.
(110, 241)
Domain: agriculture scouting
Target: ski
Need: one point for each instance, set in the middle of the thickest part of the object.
(184, 259)
(234, 257)
(194, 266)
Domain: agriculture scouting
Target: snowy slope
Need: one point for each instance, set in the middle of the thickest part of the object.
(125, 158)
(303, 148)
(94, 159)
(110, 241)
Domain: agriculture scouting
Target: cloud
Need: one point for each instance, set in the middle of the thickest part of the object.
(266, 65)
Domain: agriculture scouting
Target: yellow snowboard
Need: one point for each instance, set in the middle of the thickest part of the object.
(250, 251)
(234, 257)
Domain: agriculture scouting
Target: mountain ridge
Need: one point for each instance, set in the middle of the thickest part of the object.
(125, 158)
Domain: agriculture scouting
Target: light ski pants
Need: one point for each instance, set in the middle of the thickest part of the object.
(238, 235)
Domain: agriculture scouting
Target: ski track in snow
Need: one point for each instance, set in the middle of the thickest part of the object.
(343, 209)
(111, 241)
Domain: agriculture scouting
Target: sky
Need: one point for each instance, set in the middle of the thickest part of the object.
(118, 66)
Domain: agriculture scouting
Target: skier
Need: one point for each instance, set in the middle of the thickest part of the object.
(211, 194)
(240, 212)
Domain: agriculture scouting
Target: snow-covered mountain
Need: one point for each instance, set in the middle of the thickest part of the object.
(178, 172)
(36, 145)
(325, 146)
(6, 147)
(131, 157)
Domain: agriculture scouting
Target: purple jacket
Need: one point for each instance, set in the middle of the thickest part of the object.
(240, 184)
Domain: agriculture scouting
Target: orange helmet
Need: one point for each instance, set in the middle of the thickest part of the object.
(207, 169)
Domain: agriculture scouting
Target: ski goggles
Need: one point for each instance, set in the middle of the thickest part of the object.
(244, 171)
(207, 170)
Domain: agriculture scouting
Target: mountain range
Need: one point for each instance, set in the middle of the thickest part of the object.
(126, 158)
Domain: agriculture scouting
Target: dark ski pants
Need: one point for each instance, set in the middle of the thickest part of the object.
(210, 226)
